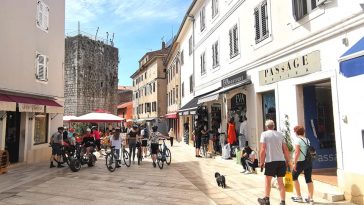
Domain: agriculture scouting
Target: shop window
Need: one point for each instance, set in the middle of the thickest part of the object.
(40, 128)
(269, 107)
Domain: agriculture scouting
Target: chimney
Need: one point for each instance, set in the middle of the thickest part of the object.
(163, 45)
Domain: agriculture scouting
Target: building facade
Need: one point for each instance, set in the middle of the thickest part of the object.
(91, 76)
(125, 102)
(31, 80)
(289, 61)
(150, 88)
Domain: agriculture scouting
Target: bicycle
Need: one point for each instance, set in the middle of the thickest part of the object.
(112, 160)
(163, 155)
(205, 143)
(139, 152)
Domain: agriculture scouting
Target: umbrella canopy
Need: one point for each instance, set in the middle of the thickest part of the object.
(69, 118)
(98, 117)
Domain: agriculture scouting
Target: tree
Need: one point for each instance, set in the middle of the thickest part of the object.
(287, 133)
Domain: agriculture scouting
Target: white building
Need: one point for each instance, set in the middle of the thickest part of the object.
(277, 59)
(31, 80)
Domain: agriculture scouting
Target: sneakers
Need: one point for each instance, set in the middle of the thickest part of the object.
(243, 171)
(248, 172)
(309, 201)
(282, 203)
(60, 166)
(297, 199)
(264, 201)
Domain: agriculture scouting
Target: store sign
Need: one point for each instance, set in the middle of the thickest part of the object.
(52, 109)
(238, 101)
(302, 65)
(7, 106)
(240, 77)
(23, 107)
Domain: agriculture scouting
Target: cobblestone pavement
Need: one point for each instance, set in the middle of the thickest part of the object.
(188, 180)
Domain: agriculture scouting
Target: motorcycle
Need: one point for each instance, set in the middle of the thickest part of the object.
(80, 158)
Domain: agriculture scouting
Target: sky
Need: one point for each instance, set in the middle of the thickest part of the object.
(138, 26)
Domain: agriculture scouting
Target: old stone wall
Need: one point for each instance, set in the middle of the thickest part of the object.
(91, 76)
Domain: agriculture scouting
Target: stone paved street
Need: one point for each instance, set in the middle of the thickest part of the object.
(186, 181)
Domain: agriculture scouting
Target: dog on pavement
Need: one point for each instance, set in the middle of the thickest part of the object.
(220, 180)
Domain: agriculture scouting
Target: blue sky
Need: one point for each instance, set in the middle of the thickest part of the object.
(138, 25)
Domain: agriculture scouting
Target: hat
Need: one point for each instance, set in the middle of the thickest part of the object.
(71, 130)
(93, 127)
(88, 130)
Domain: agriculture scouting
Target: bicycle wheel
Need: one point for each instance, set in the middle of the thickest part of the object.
(110, 162)
(168, 156)
(160, 161)
(126, 157)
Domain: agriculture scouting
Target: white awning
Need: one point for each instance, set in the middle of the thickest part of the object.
(7, 106)
(208, 98)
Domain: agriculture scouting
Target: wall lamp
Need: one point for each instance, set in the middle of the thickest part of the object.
(3, 117)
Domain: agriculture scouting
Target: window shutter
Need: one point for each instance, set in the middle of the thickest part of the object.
(46, 68)
(213, 55)
(257, 28)
(264, 17)
(45, 17)
(217, 53)
(236, 48)
(231, 42)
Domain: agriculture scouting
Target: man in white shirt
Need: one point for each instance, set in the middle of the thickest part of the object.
(274, 157)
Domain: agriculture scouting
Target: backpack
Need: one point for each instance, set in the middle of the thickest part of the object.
(310, 154)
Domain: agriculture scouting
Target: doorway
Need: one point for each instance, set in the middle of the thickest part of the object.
(319, 123)
(12, 136)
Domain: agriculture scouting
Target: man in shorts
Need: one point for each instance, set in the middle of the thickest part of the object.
(274, 157)
(56, 142)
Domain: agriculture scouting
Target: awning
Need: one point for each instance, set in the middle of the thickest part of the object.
(173, 115)
(6, 104)
(192, 105)
(352, 61)
(31, 104)
(211, 97)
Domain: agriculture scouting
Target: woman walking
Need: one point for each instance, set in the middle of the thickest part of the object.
(132, 139)
(171, 136)
(299, 164)
(154, 143)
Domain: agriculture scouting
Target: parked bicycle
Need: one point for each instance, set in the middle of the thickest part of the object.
(164, 155)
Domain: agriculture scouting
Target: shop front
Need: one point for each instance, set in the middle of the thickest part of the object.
(26, 124)
(173, 122)
(186, 115)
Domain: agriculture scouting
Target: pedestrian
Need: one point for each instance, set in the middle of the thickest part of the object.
(300, 165)
(274, 157)
(144, 133)
(115, 140)
(243, 131)
(56, 142)
(154, 143)
(231, 132)
(97, 136)
(198, 135)
(71, 136)
(133, 134)
(171, 135)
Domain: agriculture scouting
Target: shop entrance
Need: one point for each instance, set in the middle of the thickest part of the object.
(319, 123)
(12, 135)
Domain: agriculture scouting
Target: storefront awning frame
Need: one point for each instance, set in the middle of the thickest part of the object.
(352, 61)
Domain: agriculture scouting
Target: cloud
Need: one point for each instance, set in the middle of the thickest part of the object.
(84, 11)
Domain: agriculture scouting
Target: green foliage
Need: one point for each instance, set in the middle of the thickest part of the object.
(287, 133)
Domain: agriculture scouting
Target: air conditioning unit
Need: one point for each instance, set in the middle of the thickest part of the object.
(320, 2)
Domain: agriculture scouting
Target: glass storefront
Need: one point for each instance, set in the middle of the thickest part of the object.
(269, 106)
(40, 128)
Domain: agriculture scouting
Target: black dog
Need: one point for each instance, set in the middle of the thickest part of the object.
(220, 180)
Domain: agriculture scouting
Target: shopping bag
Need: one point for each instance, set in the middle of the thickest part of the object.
(288, 182)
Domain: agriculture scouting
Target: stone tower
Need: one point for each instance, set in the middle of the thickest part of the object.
(91, 76)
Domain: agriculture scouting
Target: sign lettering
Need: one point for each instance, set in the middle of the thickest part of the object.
(23, 107)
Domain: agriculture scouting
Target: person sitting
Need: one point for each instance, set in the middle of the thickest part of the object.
(88, 141)
(249, 160)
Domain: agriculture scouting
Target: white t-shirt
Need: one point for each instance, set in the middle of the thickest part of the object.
(116, 143)
(273, 141)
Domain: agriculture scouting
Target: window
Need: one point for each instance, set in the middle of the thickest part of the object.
(233, 41)
(154, 106)
(145, 90)
(302, 8)
(42, 67)
(142, 109)
(203, 63)
(42, 16)
(174, 96)
(183, 89)
(261, 22)
(191, 84)
(182, 58)
(202, 19)
(167, 99)
(154, 87)
(40, 128)
(177, 91)
(145, 75)
(190, 41)
(215, 54)
(177, 66)
(133, 83)
(215, 8)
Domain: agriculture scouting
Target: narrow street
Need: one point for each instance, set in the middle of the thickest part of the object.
(186, 181)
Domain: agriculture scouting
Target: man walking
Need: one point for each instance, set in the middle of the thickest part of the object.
(56, 142)
(274, 156)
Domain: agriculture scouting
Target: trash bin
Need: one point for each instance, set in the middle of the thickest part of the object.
(4, 161)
